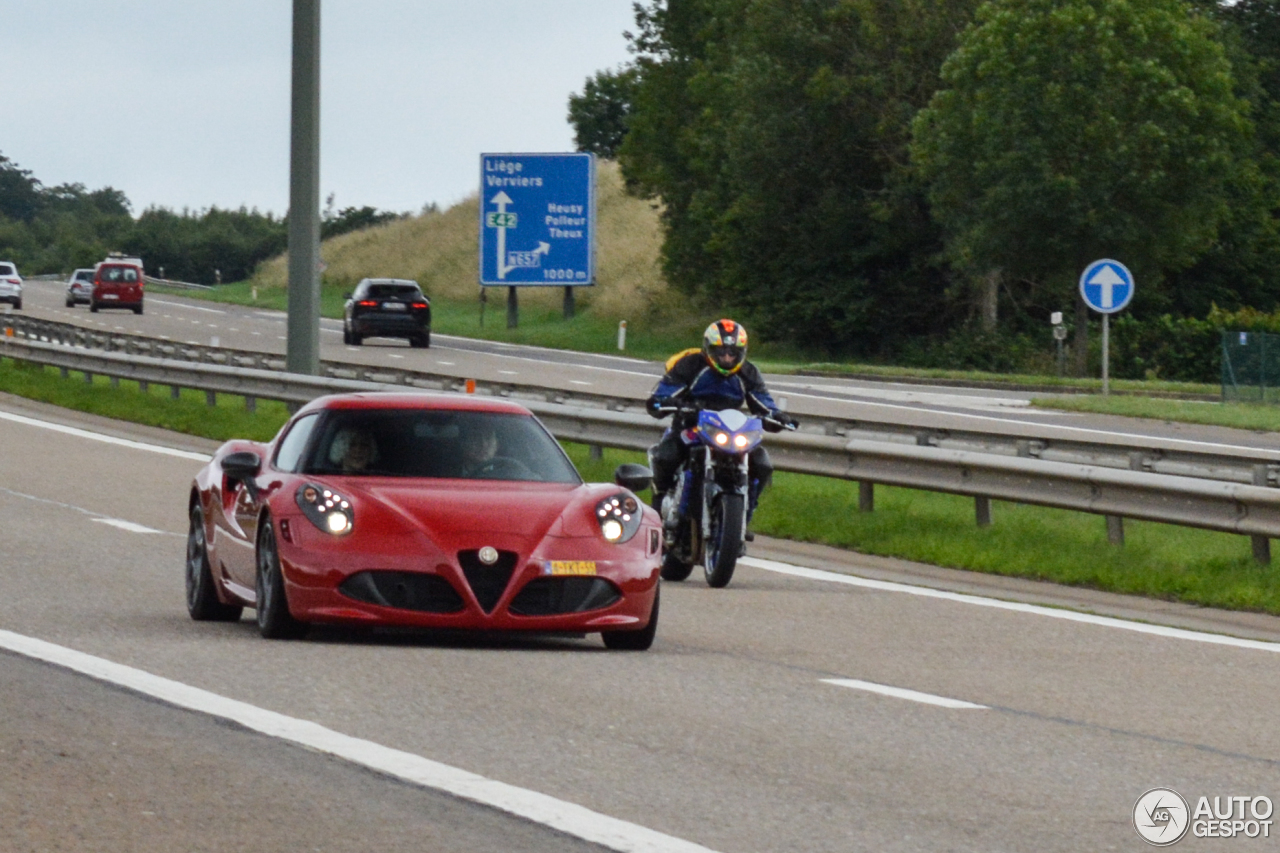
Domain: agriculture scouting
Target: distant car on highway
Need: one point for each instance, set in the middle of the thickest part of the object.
(10, 284)
(421, 510)
(387, 308)
(117, 283)
(80, 287)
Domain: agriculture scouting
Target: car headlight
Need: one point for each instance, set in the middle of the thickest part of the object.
(619, 517)
(326, 509)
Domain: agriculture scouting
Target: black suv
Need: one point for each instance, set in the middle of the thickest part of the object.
(387, 308)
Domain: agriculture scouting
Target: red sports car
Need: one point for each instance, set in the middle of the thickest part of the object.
(428, 510)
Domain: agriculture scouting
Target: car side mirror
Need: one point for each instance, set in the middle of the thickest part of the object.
(635, 477)
(242, 465)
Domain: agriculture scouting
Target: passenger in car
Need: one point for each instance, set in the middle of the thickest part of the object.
(353, 449)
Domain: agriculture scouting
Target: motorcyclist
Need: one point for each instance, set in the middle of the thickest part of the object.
(718, 377)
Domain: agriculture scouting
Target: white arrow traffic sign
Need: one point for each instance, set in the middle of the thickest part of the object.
(1106, 286)
(502, 200)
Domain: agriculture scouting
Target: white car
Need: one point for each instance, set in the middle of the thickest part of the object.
(80, 287)
(10, 284)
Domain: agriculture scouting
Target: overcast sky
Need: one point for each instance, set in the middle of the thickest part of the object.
(185, 103)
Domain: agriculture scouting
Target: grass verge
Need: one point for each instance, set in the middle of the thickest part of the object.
(1253, 416)
(1157, 560)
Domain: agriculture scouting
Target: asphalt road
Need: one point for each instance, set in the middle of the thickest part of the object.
(193, 321)
(727, 733)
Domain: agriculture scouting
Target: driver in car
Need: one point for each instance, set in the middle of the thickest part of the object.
(479, 447)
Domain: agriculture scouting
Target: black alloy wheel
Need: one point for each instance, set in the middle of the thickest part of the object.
(725, 542)
(202, 598)
(635, 641)
(275, 622)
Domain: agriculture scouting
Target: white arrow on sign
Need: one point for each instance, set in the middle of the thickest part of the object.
(1107, 279)
(502, 200)
(543, 248)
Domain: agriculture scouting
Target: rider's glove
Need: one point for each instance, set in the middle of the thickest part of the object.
(653, 404)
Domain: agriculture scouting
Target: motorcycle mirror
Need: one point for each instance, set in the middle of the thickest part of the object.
(635, 477)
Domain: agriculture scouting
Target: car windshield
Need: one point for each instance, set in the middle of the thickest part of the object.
(400, 291)
(438, 444)
(7, 269)
(119, 275)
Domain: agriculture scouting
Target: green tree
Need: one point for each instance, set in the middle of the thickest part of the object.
(599, 115)
(1075, 129)
(775, 133)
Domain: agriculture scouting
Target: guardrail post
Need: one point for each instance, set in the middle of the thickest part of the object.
(115, 381)
(1115, 529)
(175, 391)
(88, 377)
(144, 386)
(982, 510)
(211, 398)
(1261, 544)
(595, 451)
(250, 404)
(66, 373)
(866, 496)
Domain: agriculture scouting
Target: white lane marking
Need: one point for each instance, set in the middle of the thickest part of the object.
(106, 439)
(447, 363)
(510, 372)
(937, 398)
(233, 329)
(902, 693)
(558, 814)
(186, 305)
(580, 382)
(1015, 606)
(96, 516)
(332, 331)
(393, 355)
(281, 337)
(126, 525)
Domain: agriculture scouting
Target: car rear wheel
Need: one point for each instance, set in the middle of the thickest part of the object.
(275, 622)
(18, 305)
(93, 307)
(71, 303)
(635, 641)
(137, 309)
(202, 597)
(421, 341)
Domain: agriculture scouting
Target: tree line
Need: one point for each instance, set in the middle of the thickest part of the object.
(874, 177)
(55, 229)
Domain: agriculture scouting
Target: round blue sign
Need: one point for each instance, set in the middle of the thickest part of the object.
(1106, 286)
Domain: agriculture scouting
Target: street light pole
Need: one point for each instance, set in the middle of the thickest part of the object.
(302, 352)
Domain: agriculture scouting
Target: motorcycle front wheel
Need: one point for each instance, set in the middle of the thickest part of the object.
(725, 542)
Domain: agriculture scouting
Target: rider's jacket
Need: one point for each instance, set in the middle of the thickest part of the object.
(689, 376)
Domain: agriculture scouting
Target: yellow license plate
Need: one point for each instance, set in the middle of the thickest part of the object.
(571, 567)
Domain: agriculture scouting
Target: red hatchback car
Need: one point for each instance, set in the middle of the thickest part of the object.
(117, 284)
(426, 510)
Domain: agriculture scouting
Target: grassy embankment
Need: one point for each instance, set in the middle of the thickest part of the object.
(1157, 560)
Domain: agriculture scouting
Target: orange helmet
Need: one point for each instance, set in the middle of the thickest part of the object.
(724, 344)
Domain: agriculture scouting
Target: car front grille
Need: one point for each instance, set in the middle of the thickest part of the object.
(488, 582)
(424, 593)
(551, 596)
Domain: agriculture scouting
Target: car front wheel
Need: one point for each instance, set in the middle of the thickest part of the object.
(275, 622)
(635, 641)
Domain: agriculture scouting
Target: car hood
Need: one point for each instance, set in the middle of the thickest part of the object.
(452, 512)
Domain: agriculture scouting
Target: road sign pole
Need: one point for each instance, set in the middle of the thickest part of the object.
(302, 349)
(1106, 354)
(513, 308)
(568, 303)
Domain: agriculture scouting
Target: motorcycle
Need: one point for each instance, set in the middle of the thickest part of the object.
(705, 512)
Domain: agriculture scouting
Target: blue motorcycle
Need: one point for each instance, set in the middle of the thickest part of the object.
(705, 512)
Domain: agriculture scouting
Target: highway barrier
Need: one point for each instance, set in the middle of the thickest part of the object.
(1212, 504)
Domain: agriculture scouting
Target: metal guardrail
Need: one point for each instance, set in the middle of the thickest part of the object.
(180, 285)
(923, 428)
(1194, 502)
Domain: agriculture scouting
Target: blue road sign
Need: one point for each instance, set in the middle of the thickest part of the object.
(537, 219)
(1106, 286)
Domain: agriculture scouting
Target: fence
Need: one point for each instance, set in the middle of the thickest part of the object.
(1250, 367)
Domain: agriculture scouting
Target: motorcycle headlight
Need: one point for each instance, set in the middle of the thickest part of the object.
(720, 438)
(619, 517)
(326, 509)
